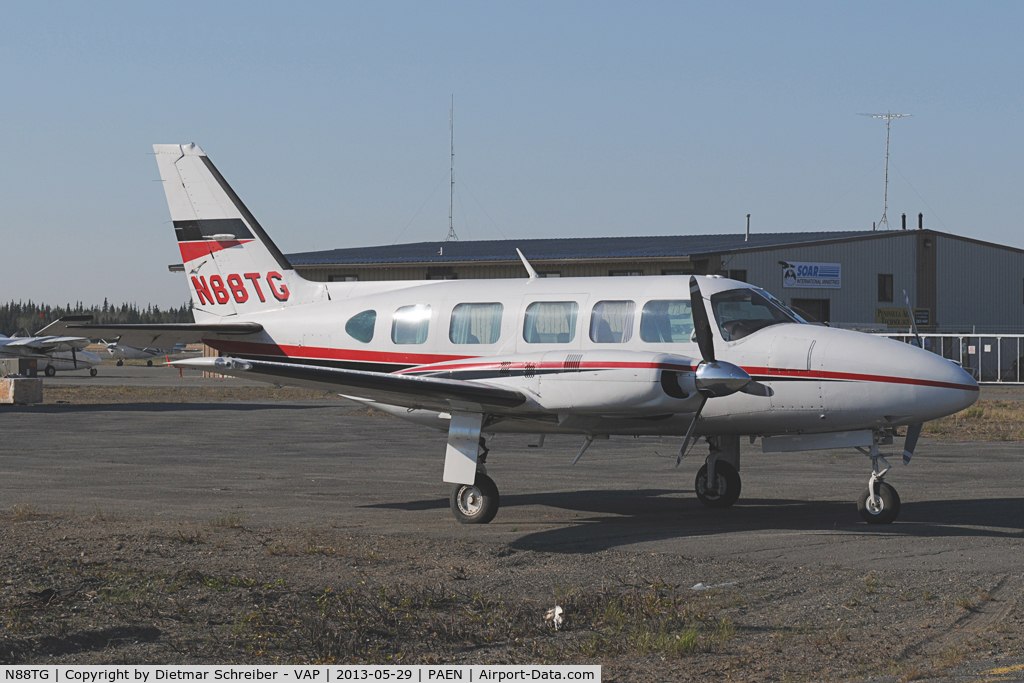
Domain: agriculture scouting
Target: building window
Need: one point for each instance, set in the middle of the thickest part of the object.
(343, 278)
(884, 287)
(812, 310)
(549, 273)
(475, 324)
(411, 324)
(625, 273)
(611, 322)
(360, 326)
(550, 322)
(666, 322)
(678, 272)
(738, 275)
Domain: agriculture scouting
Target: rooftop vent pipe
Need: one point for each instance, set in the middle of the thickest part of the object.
(747, 237)
(904, 221)
(920, 221)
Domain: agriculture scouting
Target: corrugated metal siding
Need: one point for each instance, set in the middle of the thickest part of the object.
(979, 285)
(862, 262)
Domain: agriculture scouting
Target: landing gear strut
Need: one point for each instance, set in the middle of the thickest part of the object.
(718, 480)
(476, 503)
(879, 503)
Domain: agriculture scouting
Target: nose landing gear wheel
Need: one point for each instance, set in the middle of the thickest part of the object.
(884, 509)
(120, 363)
(475, 503)
(149, 363)
(92, 372)
(725, 493)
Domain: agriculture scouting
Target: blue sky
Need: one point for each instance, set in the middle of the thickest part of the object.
(330, 120)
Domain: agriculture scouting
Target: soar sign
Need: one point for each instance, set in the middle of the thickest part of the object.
(806, 274)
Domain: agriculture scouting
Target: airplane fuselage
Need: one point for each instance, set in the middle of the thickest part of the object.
(584, 375)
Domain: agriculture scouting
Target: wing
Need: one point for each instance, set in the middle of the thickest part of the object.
(399, 390)
(37, 345)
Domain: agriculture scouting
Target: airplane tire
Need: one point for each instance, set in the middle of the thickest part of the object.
(890, 506)
(50, 371)
(476, 503)
(92, 372)
(728, 485)
(149, 363)
(120, 363)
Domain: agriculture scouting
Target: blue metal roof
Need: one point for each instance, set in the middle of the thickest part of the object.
(571, 248)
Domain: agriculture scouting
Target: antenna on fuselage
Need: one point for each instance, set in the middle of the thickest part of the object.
(888, 116)
(529, 269)
(452, 237)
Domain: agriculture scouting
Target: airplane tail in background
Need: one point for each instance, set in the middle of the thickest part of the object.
(231, 264)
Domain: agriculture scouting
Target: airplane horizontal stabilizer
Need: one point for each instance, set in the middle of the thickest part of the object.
(427, 393)
(158, 335)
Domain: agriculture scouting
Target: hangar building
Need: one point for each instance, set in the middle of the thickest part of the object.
(857, 279)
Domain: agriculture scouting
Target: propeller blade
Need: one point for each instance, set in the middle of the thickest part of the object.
(689, 431)
(910, 443)
(74, 357)
(701, 324)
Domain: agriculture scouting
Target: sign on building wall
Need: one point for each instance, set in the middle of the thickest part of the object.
(898, 317)
(797, 274)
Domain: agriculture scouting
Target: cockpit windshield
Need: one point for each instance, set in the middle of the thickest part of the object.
(741, 312)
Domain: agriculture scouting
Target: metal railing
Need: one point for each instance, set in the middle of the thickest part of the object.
(990, 358)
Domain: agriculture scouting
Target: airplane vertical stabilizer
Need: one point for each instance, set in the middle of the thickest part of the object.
(231, 263)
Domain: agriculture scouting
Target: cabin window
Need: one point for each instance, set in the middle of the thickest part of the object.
(410, 324)
(612, 322)
(360, 326)
(666, 322)
(475, 324)
(550, 322)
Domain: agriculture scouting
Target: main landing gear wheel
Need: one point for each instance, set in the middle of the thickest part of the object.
(50, 371)
(92, 372)
(149, 363)
(725, 493)
(883, 509)
(475, 503)
(120, 363)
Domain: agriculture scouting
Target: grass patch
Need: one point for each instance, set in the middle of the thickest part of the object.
(986, 420)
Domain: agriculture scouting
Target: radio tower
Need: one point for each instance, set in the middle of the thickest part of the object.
(451, 194)
(888, 116)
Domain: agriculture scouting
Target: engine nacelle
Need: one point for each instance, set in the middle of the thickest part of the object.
(614, 383)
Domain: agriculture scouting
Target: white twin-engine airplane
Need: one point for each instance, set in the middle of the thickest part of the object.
(672, 356)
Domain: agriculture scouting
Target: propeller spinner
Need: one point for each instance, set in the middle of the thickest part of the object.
(714, 378)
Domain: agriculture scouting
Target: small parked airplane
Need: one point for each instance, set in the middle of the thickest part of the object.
(122, 351)
(136, 342)
(52, 353)
(596, 357)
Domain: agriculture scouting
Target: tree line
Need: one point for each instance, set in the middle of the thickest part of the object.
(29, 317)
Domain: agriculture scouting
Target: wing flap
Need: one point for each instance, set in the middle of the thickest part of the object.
(400, 390)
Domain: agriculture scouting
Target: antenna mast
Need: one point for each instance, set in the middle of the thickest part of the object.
(888, 116)
(451, 193)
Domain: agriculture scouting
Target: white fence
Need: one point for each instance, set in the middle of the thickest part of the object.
(990, 358)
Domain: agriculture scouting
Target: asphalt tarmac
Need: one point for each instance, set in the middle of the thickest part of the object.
(327, 462)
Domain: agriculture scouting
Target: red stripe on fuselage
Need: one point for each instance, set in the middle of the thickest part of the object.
(190, 251)
(318, 353)
(425, 359)
(855, 377)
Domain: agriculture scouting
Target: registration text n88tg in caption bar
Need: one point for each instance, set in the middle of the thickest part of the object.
(339, 673)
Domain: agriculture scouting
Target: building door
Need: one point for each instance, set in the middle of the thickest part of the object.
(814, 310)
